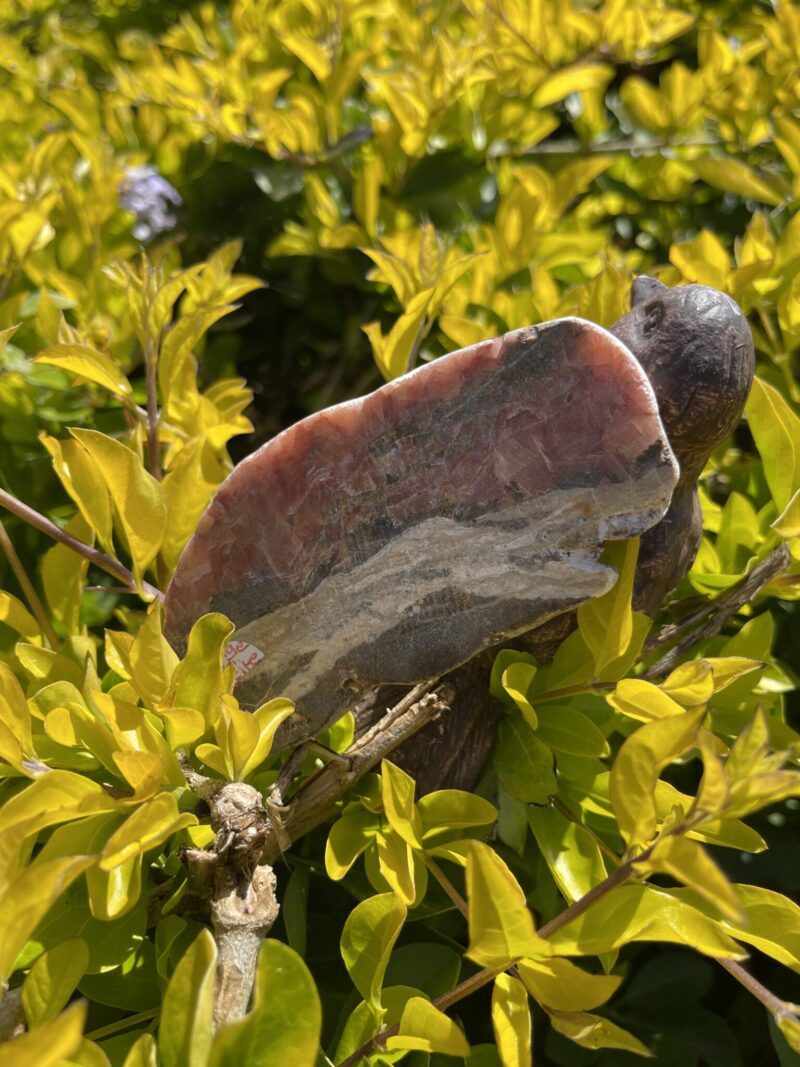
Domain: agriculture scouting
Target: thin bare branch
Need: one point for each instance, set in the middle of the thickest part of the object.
(28, 590)
(712, 617)
(315, 802)
(94, 555)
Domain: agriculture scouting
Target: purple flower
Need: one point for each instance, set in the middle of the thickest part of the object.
(151, 198)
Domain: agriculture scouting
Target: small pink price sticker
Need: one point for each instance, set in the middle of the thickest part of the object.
(243, 656)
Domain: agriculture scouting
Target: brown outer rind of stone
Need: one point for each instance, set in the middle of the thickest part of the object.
(391, 538)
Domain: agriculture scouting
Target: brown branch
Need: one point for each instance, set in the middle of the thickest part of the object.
(314, 802)
(573, 147)
(445, 883)
(94, 555)
(709, 620)
(153, 448)
(28, 590)
(462, 990)
(781, 1009)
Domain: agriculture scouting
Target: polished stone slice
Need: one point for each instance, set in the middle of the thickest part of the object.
(390, 538)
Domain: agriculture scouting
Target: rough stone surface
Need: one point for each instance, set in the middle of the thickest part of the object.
(391, 538)
(696, 348)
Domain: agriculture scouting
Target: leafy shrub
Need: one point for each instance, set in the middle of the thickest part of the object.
(400, 180)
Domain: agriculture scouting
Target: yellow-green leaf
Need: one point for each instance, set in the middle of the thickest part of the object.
(524, 764)
(368, 937)
(396, 864)
(397, 790)
(643, 701)
(606, 622)
(52, 980)
(511, 1020)
(558, 984)
(348, 838)
(137, 497)
(570, 851)
(423, 1027)
(638, 765)
(776, 430)
(577, 78)
(87, 363)
(688, 862)
(28, 898)
(148, 826)
(642, 913)
(184, 1031)
(50, 1044)
(84, 484)
(284, 1023)
(452, 810)
(501, 927)
(142, 1053)
(592, 1031)
(200, 678)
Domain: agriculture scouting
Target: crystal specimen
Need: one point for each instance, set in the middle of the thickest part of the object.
(390, 538)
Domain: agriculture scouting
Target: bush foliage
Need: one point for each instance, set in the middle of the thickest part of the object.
(318, 194)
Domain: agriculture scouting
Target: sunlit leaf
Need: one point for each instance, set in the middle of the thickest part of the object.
(501, 927)
(511, 1019)
(369, 934)
(284, 1022)
(184, 1031)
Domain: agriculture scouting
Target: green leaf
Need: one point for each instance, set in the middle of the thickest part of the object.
(137, 497)
(49, 1044)
(451, 811)
(424, 1027)
(368, 936)
(142, 1053)
(516, 680)
(787, 523)
(397, 865)
(28, 899)
(501, 927)
(348, 838)
(577, 78)
(592, 1031)
(511, 1020)
(64, 574)
(151, 659)
(52, 980)
(567, 730)
(397, 790)
(606, 623)
(14, 614)
(360, 1025)
(200, 679)
(776, 430)
(184, 1029)
(642, 913)
(87, 363)
(639, 762)
(84, 483)
(394, 351)
(284, 1023)
(771, 921)
(558, 984)
(643, 701)
(524, 764)
(733, 176)
(570, 851)
(148, 826)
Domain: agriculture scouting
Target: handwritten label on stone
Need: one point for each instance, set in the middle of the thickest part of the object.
(243, 656)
